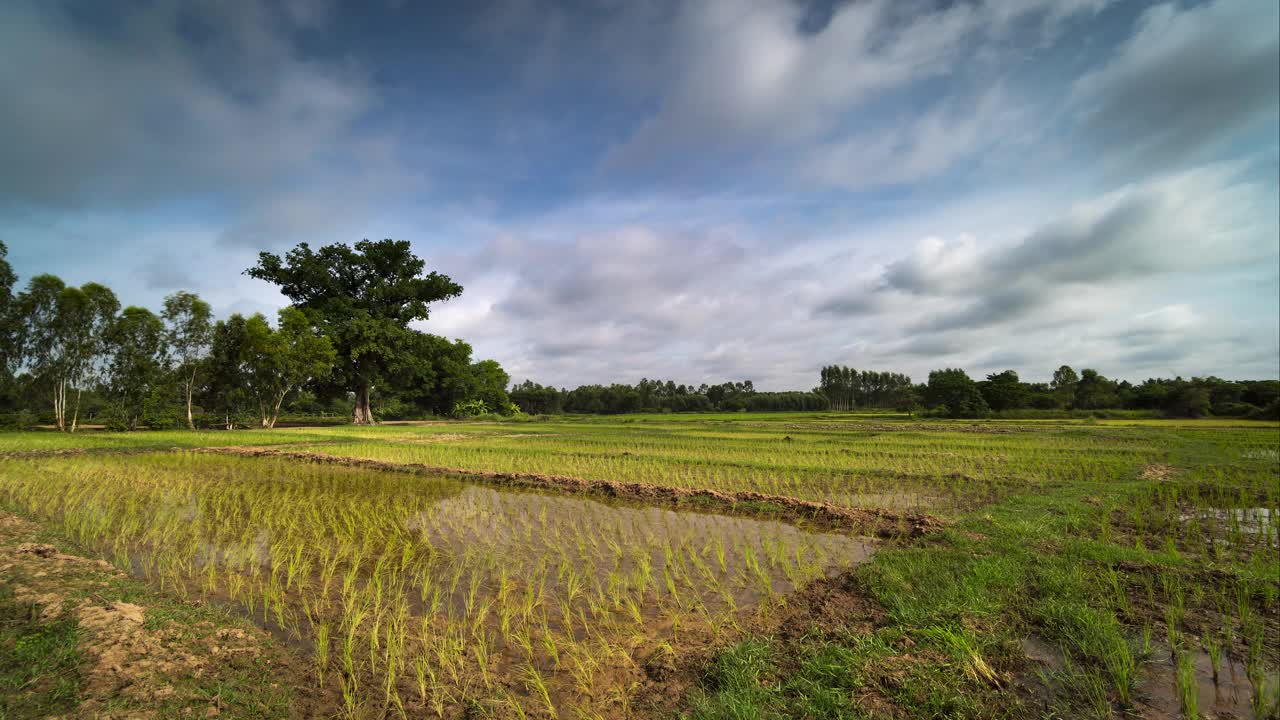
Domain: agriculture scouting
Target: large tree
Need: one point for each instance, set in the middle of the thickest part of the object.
(363, 299)
(280, 361)
(8, 318)
(139, 360)
(225, 371)
(188, 323)
(1064, 385)
(1093, 391)
(1003, 391)
(956, 394)
(10, 322)
(63, 334)
(489, 383)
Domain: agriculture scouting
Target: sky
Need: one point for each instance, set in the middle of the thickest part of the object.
(700, 191)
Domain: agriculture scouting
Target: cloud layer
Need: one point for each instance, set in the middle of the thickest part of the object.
(693, 190)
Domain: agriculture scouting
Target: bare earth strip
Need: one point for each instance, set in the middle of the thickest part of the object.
(139, 661)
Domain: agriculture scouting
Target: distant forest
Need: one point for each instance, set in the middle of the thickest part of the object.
(344, 350)
(949, 392)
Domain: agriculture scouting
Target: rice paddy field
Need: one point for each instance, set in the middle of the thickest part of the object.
(698, 566)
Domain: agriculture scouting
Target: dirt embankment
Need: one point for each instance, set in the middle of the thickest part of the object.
(878, 522)
(137, 661)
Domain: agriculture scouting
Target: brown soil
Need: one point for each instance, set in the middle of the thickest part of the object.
(1158, 472)
(872, 521)
(132, 669)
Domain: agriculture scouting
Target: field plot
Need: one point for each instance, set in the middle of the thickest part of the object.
(1068, 569)
(430, 591)
(859, 463)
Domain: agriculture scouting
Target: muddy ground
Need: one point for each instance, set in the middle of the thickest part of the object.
(140, 656)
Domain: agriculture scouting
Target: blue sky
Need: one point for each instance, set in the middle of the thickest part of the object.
(701, 191)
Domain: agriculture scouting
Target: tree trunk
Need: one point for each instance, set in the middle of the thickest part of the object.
(275, 412)
(75, 416)
(191, 423)
(60, 405)
(363, 414)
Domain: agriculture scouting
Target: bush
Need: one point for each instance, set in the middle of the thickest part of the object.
(1270, 412)
(18, 420)
(1234, 409)
(470, 409)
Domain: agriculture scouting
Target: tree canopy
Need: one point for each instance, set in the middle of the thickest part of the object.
(363, 298)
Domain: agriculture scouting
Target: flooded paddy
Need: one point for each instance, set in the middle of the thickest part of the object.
(432, 591)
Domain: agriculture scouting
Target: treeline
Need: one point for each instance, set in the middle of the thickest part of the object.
(951, 392)
(69, 354)
(659, 396)
(849, 389)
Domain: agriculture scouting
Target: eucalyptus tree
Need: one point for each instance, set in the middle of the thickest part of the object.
(279, 361)
(189, 329)
(225, 370)
(9, 349)
(139, 362)
(63, 332)
(363, 299)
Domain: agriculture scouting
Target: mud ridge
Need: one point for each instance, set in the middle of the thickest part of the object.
(878, 522)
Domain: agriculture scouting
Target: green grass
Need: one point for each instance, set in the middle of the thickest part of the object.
(39, 663)
(1041, 564)
(1100, 539)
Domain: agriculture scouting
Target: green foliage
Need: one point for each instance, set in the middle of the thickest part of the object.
(1095, 391)
(1064, 385)
(188, 323)
(489, 384)
(10, 320)
(62, 334)
(225, 371)
(470, 408)
(954, 394)
(363, 298)
(1003, 391)
(279, 361)
(848, 389)
(39, 662)
(138, 370)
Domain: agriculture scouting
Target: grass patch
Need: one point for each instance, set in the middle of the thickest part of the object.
(39, 664)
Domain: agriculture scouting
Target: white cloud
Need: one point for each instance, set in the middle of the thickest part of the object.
(1187, 79)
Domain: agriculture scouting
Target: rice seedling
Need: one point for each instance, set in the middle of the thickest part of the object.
(418, 594)
(1188, 687)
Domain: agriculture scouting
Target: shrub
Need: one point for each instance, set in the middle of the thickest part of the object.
(470, 408)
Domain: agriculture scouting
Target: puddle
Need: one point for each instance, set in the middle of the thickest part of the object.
(1043, 654)
(1157, 695)
(712, 559)
(1256, 525)
(892, 501)
(1230, 697)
